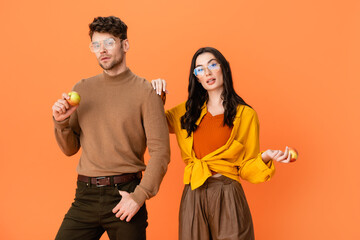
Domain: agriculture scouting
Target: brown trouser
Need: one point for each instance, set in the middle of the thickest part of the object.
(217, 210)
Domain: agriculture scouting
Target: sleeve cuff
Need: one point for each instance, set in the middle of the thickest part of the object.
(61, 124)
(138, 196)
(265, 168)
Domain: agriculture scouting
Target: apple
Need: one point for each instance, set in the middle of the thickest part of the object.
(293, 154)
(74, 98)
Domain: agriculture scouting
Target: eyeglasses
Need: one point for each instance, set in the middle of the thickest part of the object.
(108, 44)
(200, 71)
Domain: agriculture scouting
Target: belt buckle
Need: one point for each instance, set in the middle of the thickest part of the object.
(97, 181)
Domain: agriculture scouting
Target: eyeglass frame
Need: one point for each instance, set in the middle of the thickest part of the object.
(207, 68)
(102, 43)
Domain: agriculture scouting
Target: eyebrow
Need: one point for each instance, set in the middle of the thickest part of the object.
(207, 62)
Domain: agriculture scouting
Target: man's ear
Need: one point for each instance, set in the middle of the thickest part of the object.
(126, 45)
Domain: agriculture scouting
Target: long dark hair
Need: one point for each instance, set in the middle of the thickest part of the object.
(198, 95)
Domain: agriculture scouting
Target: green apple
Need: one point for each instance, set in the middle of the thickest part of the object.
(74, 98)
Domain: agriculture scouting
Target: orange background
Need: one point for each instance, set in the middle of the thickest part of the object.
(296, 62)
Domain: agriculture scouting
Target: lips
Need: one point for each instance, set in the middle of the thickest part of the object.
(104, 58)
(210, 81)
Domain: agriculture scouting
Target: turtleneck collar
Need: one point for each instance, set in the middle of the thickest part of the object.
(123, 75)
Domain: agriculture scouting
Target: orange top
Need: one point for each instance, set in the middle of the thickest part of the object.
(210, 135)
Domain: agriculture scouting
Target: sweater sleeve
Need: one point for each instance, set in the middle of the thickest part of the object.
(252, 167)
(67, 134)
(157, 139)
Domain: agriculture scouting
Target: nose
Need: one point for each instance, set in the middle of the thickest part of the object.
(207, 71)
(102, 48)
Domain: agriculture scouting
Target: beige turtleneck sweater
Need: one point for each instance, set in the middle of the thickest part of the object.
(118, 117)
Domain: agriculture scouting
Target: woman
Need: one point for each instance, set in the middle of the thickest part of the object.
(218, 134)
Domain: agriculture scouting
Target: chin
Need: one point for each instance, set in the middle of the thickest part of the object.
(111, 65)
(214, 88)
(107, 66)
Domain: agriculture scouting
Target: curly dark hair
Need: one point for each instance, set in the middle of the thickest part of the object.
(198, 95)
(111, 24)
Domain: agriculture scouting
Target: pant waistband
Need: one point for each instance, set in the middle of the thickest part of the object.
(110, 180)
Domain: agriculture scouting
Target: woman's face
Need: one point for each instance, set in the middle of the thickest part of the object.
(208, 72)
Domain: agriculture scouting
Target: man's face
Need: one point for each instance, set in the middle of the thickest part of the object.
(112, 50)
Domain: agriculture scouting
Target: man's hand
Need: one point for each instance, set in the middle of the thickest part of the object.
(126, 208)
(62, 109)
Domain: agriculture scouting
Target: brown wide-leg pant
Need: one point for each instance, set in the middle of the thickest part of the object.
(217, 210)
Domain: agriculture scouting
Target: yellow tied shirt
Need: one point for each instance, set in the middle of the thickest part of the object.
(240, 156)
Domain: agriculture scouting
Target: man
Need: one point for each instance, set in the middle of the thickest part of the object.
(118, 116)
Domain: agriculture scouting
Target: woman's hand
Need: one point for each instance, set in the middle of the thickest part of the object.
(159, 85)
(276, 155)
